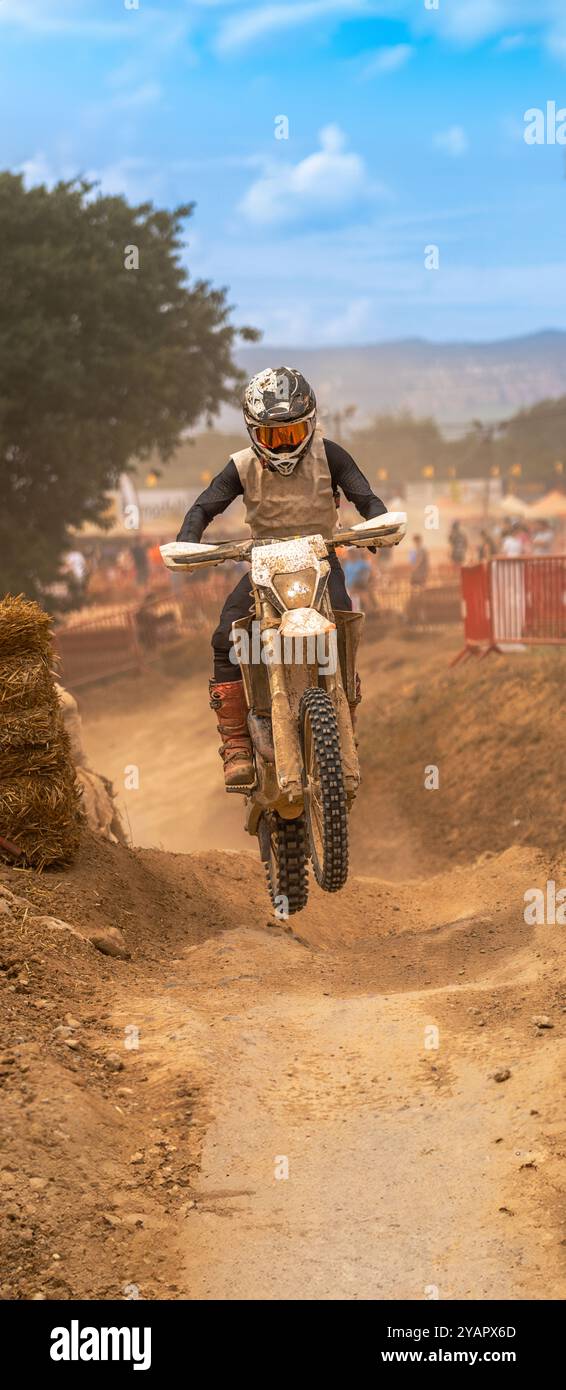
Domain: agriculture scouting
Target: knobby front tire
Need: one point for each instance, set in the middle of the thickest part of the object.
(326, 810)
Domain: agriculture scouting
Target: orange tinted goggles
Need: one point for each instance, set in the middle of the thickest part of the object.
(282, 436)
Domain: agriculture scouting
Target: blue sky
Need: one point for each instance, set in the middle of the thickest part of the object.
(406, 128)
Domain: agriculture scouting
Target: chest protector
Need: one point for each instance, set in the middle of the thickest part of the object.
(301, 504)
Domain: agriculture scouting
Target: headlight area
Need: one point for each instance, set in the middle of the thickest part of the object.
(296, 589)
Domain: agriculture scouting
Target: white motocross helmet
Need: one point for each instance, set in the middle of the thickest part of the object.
(280, 414)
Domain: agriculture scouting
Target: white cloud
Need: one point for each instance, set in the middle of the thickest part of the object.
(74, 17)
(389, 59)
(38, 170)
(460, 22)
(453, 141)
(510, 42)
(94, 116)
(556, 45)
(242, 29)
(294, 322)
(471, 21)
(133, 177)
(232, 25)
(517, 23)
(97, 20)
(148, 94)
(351, 322)
(328, 182)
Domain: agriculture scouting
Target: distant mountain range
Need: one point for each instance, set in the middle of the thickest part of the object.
(453, 382)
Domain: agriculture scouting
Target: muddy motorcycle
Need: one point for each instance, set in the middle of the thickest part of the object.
(298, 661)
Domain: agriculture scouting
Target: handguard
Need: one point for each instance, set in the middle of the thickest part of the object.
(188, 550)
(396, 522)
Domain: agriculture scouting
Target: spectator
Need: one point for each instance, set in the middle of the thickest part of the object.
(543, 539)
(75, 564)
(487, 547)
(524, 535)
(419, 562)
(139, 557)
(512, 543)
(458, 542)
(75, 576)
(358, 573)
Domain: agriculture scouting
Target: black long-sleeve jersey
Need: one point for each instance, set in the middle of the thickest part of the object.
(226, 486)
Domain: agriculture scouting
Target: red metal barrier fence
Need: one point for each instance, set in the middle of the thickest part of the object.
(507, 601)
(105, 645)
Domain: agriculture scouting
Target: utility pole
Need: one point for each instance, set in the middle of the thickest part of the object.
(339, 417)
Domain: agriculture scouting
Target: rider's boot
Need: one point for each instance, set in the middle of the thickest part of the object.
(227, 698)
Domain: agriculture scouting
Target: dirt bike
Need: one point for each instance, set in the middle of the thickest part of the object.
(298, 663)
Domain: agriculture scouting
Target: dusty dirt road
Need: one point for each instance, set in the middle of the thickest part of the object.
(358, 1145)
(346, 1157)
(311, 1111)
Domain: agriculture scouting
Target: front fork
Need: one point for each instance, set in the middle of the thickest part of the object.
(288, 759)
(332, 682)
(285, 790)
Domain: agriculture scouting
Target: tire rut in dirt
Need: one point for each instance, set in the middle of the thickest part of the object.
(319, 730)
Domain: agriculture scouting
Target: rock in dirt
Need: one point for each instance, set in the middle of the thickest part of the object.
(134, 1220)
(111, 942)
(55, 924)
(502, 1074)
(114, 1062)
(542, 1021)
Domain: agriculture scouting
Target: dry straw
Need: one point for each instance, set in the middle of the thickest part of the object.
(25, 680)
(39, 802)
(24, 627)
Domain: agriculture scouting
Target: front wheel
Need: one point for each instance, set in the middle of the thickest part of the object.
(326, 811)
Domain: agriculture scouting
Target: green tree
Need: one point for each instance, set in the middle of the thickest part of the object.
(535, 441)
(99, 364)
(401, 444)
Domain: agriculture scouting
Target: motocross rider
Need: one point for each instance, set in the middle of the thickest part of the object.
(290, 479)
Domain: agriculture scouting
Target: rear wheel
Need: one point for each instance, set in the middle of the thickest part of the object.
(284, 852)
(326, 810)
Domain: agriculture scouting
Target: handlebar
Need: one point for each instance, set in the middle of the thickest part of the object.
(386, 530)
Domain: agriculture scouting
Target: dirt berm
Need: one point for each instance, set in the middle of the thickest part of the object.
(365, 1104)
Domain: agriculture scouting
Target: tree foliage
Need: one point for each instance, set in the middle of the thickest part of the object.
(98, 363)
(530, 447)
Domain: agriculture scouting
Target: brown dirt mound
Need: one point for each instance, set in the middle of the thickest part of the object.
(81, 1209)
(496, 731)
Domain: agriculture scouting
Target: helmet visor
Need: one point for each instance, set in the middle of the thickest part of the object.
(282, 436)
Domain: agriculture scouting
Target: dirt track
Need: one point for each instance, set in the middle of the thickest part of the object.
(411, 1170)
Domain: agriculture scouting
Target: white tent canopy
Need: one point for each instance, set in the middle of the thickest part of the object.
(552, 505)
(514, 506)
